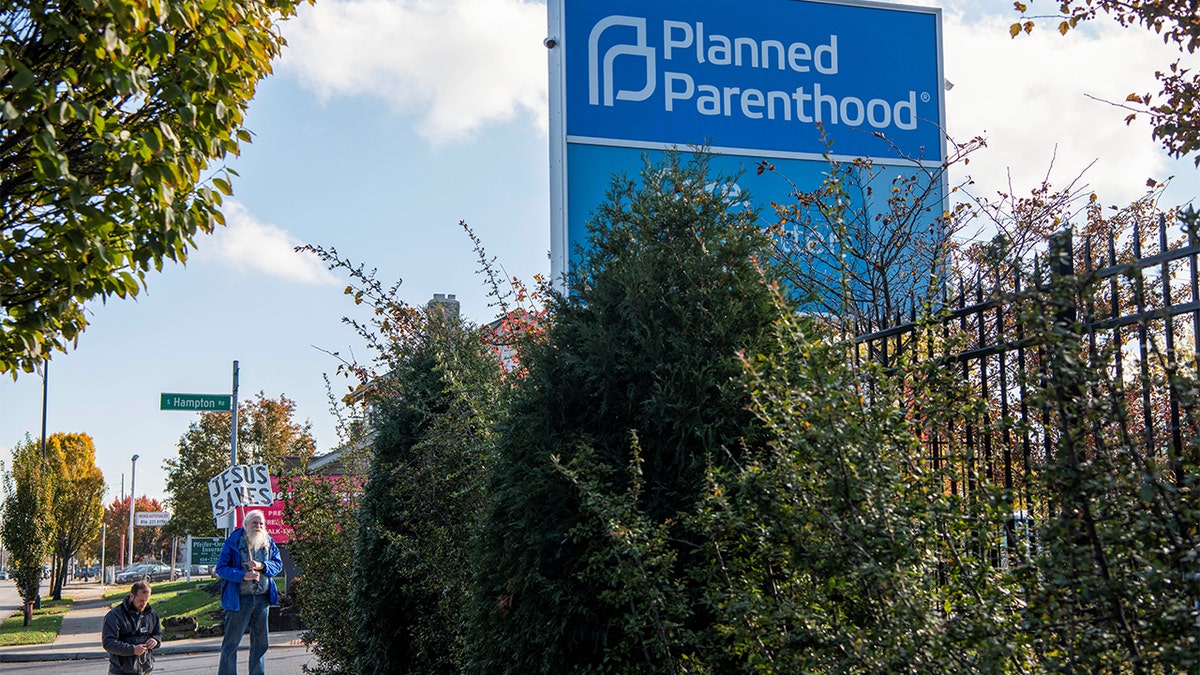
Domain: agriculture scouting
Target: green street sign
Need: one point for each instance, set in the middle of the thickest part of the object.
(206, 550)
(197, 402)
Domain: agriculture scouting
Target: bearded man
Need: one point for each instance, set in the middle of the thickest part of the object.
(248, 564)
(131, 632)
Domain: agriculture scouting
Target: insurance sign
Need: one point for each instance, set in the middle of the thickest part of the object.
(795, 82)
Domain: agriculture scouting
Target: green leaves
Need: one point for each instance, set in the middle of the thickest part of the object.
(110, 116)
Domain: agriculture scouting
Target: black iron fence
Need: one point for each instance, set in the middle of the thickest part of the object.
(1134, 301)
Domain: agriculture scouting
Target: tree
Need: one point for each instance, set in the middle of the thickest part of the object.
(433, 419)
(861, 244)
(638, 368)
(323, 514)
(110, 113)
(78, 489)
(434, 388)
(148, 541)
(1173, 112)
(266, 435)
(27, 524)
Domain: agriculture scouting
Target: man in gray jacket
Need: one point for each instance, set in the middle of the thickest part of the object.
(131, 633)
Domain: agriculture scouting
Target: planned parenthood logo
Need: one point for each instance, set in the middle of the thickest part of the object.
(724, 79)
(595, 67)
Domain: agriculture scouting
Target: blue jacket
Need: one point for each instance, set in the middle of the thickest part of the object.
(230, 570)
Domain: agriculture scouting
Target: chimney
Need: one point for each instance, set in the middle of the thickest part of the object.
(444, 303)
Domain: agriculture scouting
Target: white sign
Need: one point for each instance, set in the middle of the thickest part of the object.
(151, 518)
(240, 485)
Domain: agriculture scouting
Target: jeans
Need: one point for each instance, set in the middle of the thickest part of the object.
(253, 613)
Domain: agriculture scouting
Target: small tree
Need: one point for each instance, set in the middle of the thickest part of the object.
(76, 508)
(434, 387)
(27, 523)
(323, 514)
(145, 539)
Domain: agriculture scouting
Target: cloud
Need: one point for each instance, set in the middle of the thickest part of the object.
(1034, 99)
(245, 244)
(459, 64)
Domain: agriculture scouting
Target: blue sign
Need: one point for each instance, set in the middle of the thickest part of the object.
(796, 82)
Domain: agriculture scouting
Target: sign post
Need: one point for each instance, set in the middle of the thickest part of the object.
(211, 403)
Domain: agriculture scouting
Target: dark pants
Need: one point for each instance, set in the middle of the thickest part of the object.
(253, 613)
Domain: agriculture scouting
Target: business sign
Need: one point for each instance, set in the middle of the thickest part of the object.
(272, 516)
(206, 550)
(795, 82)
(196, 402)
(151, 518)
(240, 485)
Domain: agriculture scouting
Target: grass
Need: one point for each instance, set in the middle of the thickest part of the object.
(169, 599)
(42, 628)
(179, 598)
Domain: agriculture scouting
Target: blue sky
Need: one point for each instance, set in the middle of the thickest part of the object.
(386, 123)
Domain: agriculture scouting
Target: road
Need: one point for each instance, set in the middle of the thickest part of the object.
(10, 602)
(286, 661)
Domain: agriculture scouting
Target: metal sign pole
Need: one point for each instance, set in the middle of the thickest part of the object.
(233, 460)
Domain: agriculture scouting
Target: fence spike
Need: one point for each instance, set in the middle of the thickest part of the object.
(1162, 233)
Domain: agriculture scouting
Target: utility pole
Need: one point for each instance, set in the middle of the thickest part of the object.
(233, 426)
(45, 391)
(132, 478)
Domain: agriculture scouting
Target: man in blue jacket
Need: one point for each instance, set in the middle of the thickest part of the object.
(248, 564)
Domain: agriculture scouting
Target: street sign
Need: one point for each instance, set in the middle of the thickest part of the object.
(197, 402)
(151, 518)
(206, 550)
(794, 82)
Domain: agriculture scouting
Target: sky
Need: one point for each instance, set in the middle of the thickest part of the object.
(386, 123)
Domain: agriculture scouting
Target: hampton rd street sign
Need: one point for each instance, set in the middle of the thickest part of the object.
(796, 82)
(197, 402)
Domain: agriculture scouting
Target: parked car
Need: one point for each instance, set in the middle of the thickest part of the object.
(203, 570)
(149, 571)
(3, 574)
(86, 573)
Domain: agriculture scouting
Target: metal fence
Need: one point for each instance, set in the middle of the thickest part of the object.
(1134, 301)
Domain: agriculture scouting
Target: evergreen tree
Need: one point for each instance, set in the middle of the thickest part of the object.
(433, 414)
(639, 369)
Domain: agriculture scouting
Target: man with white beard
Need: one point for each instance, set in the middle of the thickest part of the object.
(248, 564)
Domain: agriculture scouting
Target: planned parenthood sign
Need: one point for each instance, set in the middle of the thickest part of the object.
(780, 80)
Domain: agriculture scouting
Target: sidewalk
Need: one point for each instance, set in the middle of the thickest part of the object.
(79, 637)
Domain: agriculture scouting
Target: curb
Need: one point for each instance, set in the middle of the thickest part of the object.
(35, 653)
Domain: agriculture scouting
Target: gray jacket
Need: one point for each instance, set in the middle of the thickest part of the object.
(124, 629)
